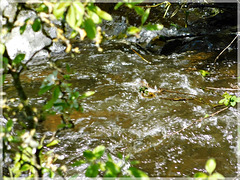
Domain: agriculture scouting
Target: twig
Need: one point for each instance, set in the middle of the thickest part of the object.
(177, 92)
(141, 56)
(199, 120)
(152, 6)
(177, 99)
(223, 89)
(225, 49)
(236, 178)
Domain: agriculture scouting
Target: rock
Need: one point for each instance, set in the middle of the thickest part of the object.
(116, 27)
(25, 14)
(9, 9)
(28, 43)
(57, 47)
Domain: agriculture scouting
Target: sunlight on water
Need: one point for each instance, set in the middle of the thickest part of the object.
(121, 118)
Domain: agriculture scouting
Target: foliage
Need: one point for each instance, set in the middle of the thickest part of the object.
(204, 73)
(210, 167)
(31, 157)
(97, 166)
(64, 99)
(144, 13)
(229, 100)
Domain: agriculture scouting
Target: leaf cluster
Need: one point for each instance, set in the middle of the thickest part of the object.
(80, 16)
(30, 155)
(229, 100)
(144, 13)
(210, 166)
(97, 166)
(64, 99)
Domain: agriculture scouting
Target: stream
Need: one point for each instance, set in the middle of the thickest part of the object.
(120, 118)
(163, 132)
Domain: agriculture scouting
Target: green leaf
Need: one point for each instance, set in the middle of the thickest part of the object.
(71, 17)
(102, 166)
(2, 79)
(233, 103)
(9, 125)
(75, 105)
(90, 28)
(134, 162)
(44, 89)
(238, 99)
(226, 102)
(221, 101)
(25, 167)
(73, 34)
(226, 95)
(60, 8)
(139, 10)
(53, 143)
(130, 5)
(23, 28)
(210, 165)
(16, 168)
(99, 151)
(51, 174)
(5, 60)
(118, 5)
(49, 104)
(17, 157)
(112, 169)
(216, 176)
(79, 10)
(233, 98)
(137, 173)
(119, 155)
(133, 30)
(154, 27)
(174, 25)
(42, 8)
(2, 48)
(18, 58)
(60, 126)
(109, 157)
(92, 170)
(200, 175)
(78, 163)
(207, 115)
(204, 73)
(68, 68)
(94, 17)
(127, 157)
(89, 155)
(145, 16)
(87, 94)
(56, 93)
(51, 78)
(36, 26)
(103, 14)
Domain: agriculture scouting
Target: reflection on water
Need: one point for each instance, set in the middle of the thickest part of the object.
(118, 117)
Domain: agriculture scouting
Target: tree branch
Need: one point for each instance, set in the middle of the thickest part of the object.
(225, 49)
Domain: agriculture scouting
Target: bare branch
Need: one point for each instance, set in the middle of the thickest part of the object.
(225, 48)
(222, 89)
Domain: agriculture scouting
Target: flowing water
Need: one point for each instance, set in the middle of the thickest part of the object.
(120, 118)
